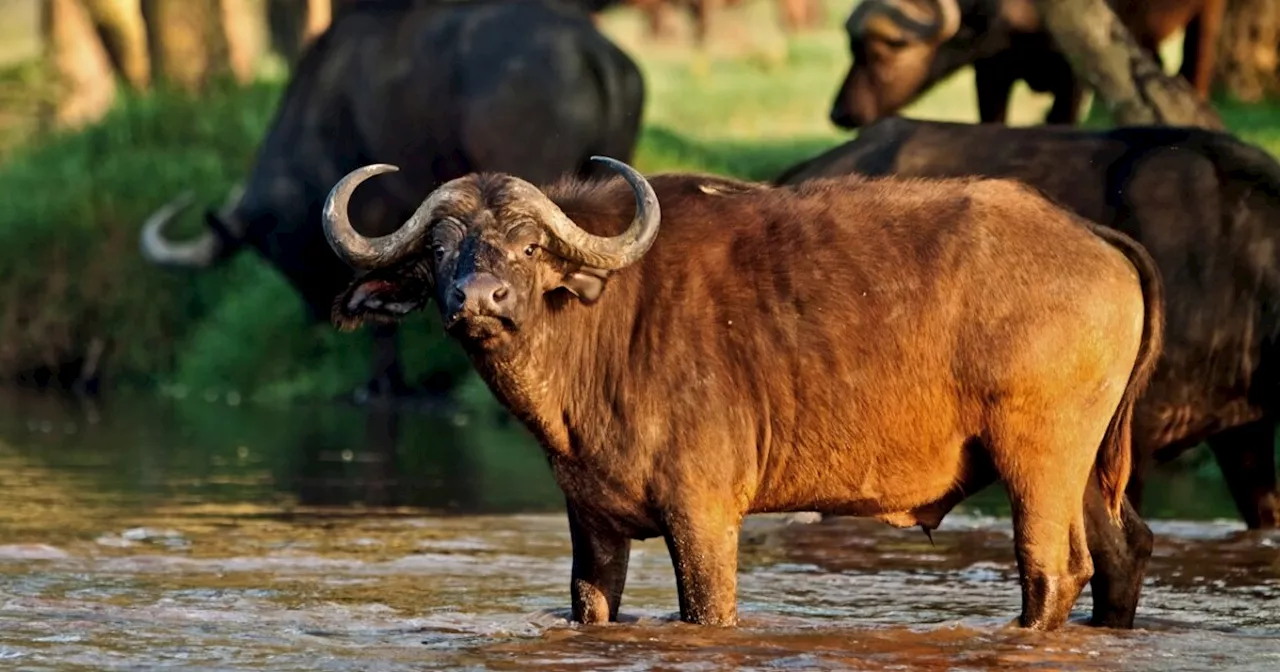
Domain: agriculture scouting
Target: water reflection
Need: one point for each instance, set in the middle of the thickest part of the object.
(142, 451)
(201, 534)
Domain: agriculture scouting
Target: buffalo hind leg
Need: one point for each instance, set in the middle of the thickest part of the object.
(1053, 559)
(1120, 554)
(599, 572)
(704, 553)
(1046, 486)
(1247, 458)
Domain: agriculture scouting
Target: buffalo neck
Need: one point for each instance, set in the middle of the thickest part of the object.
(559, 370)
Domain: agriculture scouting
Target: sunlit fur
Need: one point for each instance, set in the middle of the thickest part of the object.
(1207, 207)
(873, 348)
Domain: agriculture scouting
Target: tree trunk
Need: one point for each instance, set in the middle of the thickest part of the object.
(85, 84)
(245, 26)
(319, 14)
(1249, 52)
(187, 43)
(1104, 54)
(119, 22)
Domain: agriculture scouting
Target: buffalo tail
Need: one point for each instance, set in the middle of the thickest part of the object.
(1115, 457)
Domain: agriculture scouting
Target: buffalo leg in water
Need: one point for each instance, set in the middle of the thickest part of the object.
(704, 553)
(599, 572)
(1120, 554)
(1047, 492)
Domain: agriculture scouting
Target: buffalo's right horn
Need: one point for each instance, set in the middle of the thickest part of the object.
(362, 252)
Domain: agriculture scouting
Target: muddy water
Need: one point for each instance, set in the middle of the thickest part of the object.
(208, 535)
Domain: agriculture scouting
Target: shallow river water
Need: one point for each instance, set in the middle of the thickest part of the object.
(209, 535)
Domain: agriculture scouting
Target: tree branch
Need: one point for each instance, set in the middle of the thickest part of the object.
(1104, 54)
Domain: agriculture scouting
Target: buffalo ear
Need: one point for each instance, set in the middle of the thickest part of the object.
(585, 283)
(378, 298)
(1022, 15)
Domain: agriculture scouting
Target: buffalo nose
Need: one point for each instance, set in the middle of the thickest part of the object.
(481, 294)
(841, 117)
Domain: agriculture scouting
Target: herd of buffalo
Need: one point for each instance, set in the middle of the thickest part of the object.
(884, 330)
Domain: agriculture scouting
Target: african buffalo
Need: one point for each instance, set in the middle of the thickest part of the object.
(442, 88)
(901, 48)
(867, 348)
(1207, 208)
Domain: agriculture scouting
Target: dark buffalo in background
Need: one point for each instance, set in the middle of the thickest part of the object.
(1207, 207)
(442, 89)
(901, 48)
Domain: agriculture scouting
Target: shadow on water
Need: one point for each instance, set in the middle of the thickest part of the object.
(204, 534)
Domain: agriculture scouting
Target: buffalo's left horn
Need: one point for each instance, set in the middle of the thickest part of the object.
(198, 253)
(605, 253)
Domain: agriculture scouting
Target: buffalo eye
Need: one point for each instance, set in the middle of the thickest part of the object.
(439, 251)
(529, 250)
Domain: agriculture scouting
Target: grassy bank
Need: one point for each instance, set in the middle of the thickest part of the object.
(70, 271)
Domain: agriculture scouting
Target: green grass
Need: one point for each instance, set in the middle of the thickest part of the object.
(750, 106)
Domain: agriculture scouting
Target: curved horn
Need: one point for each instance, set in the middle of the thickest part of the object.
(569, 240)
(198, 253)
(941, 29)
(359, 251)
(948, 20)
(862, 19)
(605, 253)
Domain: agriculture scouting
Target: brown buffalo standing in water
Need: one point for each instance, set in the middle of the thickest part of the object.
(872, 348)
(1205, 205)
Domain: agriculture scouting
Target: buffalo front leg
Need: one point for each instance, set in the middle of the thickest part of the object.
(704, 553)
(1247, 457)
(1066, 103)
(1120, 554)
(994, 82)
(599, 571)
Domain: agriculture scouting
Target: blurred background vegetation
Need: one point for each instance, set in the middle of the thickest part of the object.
(97, 133)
